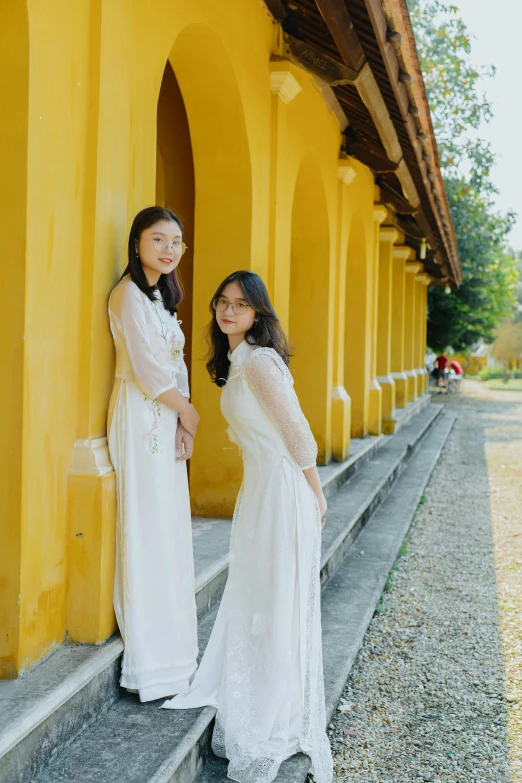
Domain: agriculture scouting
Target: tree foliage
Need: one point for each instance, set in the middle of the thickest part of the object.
(459, 107)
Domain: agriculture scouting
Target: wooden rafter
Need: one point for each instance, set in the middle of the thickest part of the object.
(332, 71)
(343, 32)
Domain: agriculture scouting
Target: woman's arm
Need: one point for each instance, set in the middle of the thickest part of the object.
(153, 379)
(273, 385)
(188, 415)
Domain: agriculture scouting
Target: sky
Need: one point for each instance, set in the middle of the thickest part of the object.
(496, 28)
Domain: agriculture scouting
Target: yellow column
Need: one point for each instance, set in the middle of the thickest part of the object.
(375, 392)
(422, 281)
(387, 236)
(417, 337)
(425, 340)
(401, 254)
(358, 326)
(341, 403)
(410, 331)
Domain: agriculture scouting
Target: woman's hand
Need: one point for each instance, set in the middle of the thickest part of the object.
(312, 476)
(189, 418)
(323, 505)
(184, 444)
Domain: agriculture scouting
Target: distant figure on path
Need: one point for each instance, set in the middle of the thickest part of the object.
(459, 372)
(441, 364)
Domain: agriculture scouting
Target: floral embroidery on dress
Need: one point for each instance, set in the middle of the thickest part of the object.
(171, 340)
(152, 435)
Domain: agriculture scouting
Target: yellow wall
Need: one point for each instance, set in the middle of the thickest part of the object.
(257, 182)
(14, 67)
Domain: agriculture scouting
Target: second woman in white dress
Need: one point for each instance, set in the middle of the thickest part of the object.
(262, 668)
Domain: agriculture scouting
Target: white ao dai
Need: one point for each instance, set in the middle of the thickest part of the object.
(154, 587)
(262, 668)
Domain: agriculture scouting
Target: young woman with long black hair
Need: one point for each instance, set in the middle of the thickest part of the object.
(262, 668)
(151, 429)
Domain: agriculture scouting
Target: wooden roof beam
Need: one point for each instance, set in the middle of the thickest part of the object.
(332, 71)
(343, 32)
(380, 27)
(341, 28)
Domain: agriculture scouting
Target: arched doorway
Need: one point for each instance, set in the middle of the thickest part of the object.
(357, 326)
(175, 187)
(212, 134)
(309, 302)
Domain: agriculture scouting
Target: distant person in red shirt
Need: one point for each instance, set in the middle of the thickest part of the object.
(457, 367)
(459, 372)
(441, 363)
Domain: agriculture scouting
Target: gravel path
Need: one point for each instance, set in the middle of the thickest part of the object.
(436, 692)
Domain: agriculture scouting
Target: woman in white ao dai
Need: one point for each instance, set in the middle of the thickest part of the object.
(262, 668)
(149, 418)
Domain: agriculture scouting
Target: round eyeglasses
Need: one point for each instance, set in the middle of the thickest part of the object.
(161, 245)
(221, 304)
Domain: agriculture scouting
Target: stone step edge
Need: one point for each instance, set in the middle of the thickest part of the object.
(342, 543)
(108, 653)
(71, 685)
(340, 472)
(442, 436)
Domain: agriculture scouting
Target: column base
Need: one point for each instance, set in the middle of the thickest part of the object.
(375, 408)
(389, 421)
(401, 389)
(341, 421)
(419, 382)
(387, 384)
(412, 385)
(91, 544)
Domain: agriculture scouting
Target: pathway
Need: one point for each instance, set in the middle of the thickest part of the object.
(436, 692)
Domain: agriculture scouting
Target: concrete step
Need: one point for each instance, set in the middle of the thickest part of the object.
(134, 742)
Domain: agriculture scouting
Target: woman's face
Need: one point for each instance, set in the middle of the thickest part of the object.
(159, 248)
(234, 323)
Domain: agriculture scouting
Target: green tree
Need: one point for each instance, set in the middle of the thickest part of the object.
(459, 107)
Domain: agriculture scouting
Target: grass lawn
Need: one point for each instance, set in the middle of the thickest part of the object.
(513, 384)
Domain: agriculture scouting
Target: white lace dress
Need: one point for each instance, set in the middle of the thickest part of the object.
(262, 668)
(154, 586)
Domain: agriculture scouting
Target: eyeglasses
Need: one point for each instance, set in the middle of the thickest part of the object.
(160, 245)
(221, 305)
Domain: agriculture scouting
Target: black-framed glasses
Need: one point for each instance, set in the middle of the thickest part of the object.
(220, 305)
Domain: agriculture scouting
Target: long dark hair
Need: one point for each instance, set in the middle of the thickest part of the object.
(266, 331)
(168, 285)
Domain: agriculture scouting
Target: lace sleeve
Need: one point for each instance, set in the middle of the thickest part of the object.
(126, 307)
(273, 385)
